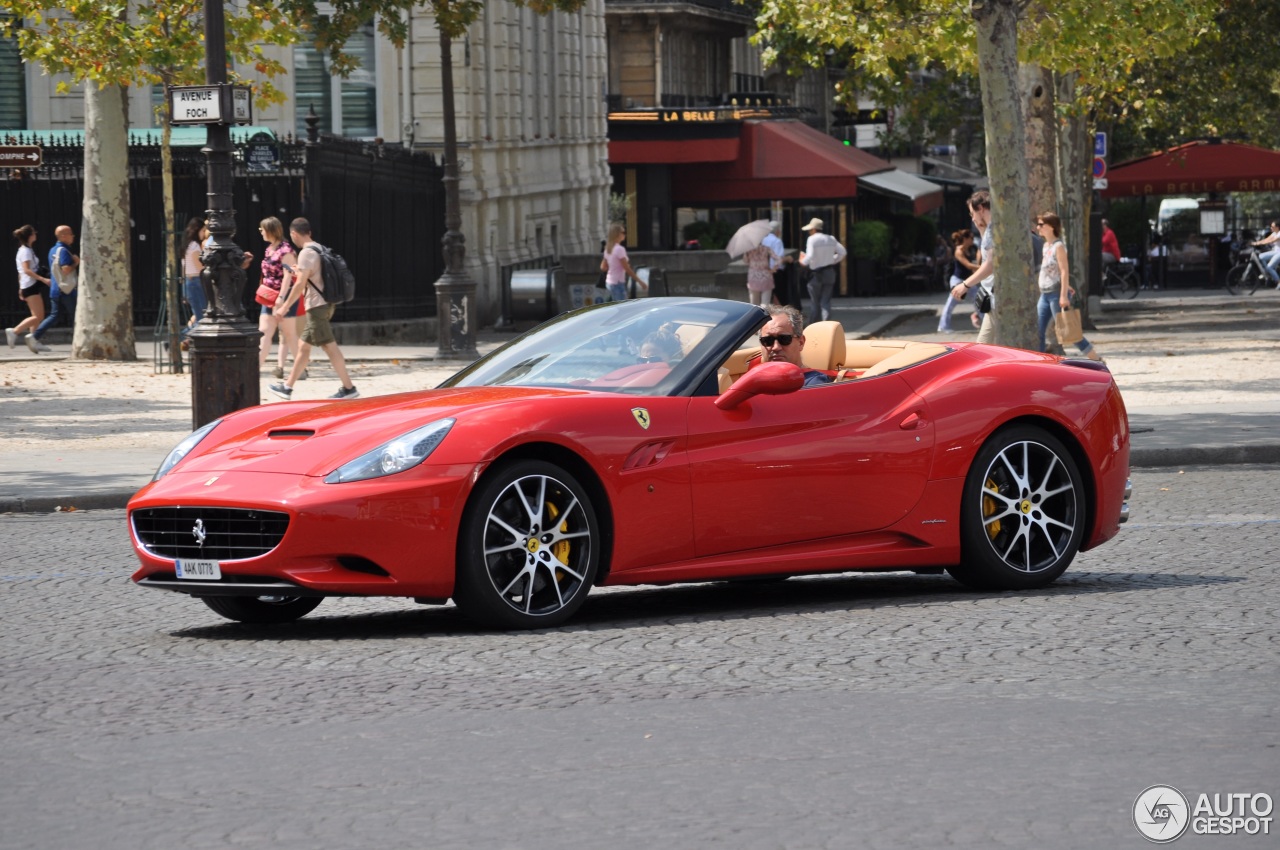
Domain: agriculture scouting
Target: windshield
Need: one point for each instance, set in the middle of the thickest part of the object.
(650, 346)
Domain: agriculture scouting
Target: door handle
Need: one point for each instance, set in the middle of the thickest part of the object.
(912, 422)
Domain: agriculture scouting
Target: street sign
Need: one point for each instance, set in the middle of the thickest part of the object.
(241, 105)
(1100, 144)
(261, 153)
(21, 156)
(1099, 167)
(216, 104)
(195, 105)
(1099, 183)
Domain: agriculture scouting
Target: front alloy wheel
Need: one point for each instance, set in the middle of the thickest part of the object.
(529, 548)
(1022, 516)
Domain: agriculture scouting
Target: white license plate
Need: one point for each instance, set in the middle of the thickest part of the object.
(200, 570)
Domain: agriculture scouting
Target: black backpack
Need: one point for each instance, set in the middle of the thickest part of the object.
(339, 282)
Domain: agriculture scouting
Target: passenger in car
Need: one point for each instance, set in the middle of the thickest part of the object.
(661, 346)
(782, 340)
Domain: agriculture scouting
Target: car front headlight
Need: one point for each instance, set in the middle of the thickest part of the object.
(404, 452)
(184, 448)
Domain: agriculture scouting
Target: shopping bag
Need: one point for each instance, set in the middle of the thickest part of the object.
(1067, 325)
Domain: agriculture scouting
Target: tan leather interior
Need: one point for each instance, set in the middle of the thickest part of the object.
(690, 336)
(742, 360)
(824, 346)
(913, 353)
(864, 353)
(725, 379)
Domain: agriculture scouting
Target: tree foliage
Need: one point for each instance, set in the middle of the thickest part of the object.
(130, 44)
(1226, 84)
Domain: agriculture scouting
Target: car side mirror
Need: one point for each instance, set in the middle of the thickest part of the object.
(778, 378)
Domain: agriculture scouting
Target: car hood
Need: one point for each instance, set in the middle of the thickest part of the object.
(310, 439)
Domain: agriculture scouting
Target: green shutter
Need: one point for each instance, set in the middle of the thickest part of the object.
(13, 87)
(313, 85)
(311, 88)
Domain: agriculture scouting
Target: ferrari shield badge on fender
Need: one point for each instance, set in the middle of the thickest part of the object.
(642, 417)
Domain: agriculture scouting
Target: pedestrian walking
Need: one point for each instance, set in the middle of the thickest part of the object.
(760, 260)
(275, 258)
(963, 261)
(32, 289)
(1054, 281)
(822, 253)
(616, 266)
(193, 236)
(782, 293)
(306, 280)
(64, 271)
(984, 275)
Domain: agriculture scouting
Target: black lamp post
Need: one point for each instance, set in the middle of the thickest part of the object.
(455, 291)
(224, 358)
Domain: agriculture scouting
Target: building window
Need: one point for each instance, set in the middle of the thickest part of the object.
(13, 86)
(347, 107)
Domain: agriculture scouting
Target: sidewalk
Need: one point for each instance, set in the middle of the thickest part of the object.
(1196, 385)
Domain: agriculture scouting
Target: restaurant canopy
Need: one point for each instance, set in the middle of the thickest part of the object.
(1197, 168)
(790, 159)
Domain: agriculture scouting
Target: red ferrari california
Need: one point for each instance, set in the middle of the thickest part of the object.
(643, 442)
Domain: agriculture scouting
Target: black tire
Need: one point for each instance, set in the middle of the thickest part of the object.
(1235, 278)
(1022, 515)
(528, 549)
(263, 609)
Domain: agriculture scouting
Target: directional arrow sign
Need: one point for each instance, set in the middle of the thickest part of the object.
(21, 156)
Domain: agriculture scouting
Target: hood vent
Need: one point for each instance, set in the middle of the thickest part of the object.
(291, 432)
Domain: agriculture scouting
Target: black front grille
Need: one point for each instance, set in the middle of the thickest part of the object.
(230, 534)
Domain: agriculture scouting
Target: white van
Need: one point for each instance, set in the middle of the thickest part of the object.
(1176, 207)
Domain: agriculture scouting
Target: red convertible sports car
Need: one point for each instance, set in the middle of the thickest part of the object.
(643, 442)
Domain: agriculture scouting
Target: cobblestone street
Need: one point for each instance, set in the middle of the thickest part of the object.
(875, 711)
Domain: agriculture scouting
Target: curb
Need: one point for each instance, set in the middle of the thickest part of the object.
(108, 501)
(1153, 458)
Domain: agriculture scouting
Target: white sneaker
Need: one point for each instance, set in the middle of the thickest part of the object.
(32, 343)
(40, 345)
(11, 337)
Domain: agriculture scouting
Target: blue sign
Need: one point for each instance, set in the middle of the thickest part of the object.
(1099, 144)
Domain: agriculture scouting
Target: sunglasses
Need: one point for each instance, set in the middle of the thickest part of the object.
(782, 339)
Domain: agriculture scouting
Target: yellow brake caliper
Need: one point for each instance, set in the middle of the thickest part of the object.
(989, 508)
(561, 549)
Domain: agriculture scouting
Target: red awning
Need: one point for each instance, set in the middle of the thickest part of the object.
(1196, 168)
(781, 160)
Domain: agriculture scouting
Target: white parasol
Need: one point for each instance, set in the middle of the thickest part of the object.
(749, 236)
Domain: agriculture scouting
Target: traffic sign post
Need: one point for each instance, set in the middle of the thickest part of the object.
(21, 156)
(224, 355)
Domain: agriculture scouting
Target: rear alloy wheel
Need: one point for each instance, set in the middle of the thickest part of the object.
(1022, 515)
(262, 609)
(529, 548)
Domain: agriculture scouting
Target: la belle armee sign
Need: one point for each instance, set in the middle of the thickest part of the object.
(1192, 187)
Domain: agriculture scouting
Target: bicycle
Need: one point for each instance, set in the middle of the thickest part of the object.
(1120, 279)
(1248, 273)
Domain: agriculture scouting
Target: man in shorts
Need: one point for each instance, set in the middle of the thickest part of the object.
(308, 282)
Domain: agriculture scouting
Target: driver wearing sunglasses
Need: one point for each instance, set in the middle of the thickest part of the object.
(782, 341)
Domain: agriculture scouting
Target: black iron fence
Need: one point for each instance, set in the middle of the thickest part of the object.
(380, 206)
